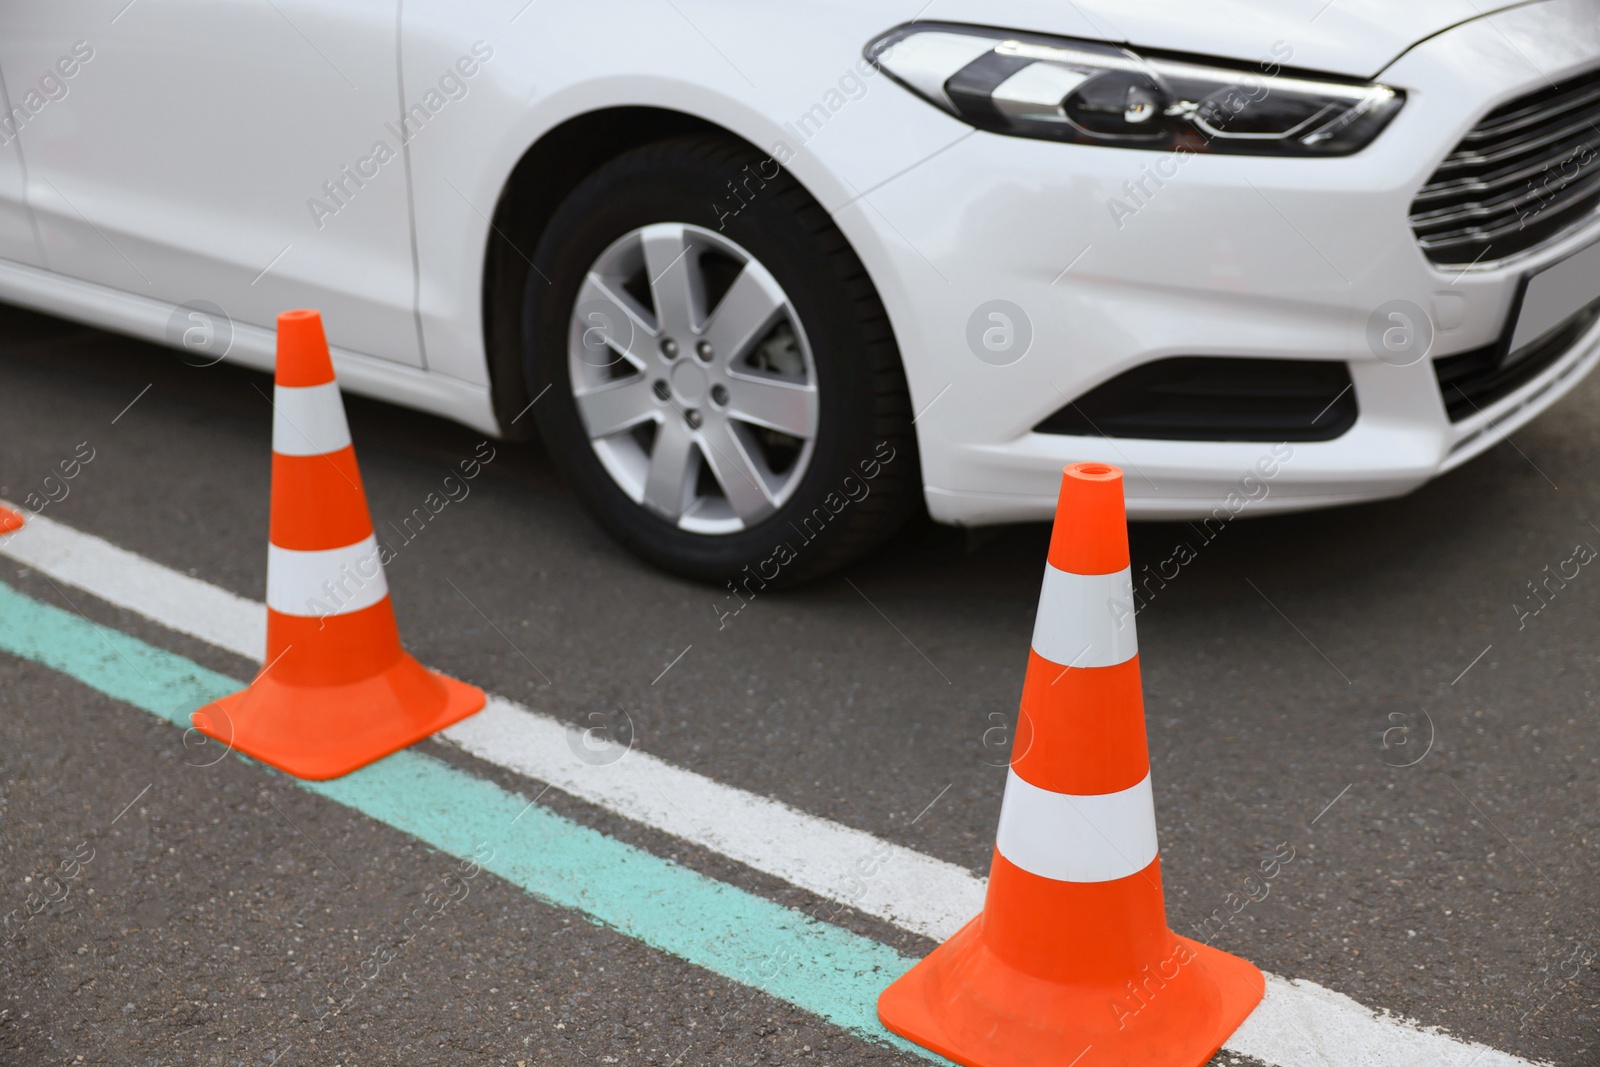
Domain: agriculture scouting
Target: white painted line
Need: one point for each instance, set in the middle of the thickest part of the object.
(1299, 1024)
(907, 888)
(1302, 1024)
(113, 574)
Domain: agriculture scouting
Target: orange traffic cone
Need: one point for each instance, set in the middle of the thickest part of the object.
(338, 691)
(10, 521)
(1072, 957)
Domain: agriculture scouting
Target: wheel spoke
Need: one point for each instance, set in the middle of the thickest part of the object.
(610, 318)
(662, 417)
(783, 406)
(675, 284)
(668, 485)
(740, 478)
(616, 406)
(744, 314)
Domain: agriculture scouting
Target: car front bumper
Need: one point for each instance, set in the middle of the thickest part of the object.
(1116, 258)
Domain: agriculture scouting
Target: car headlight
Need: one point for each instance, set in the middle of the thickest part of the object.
(1088, 92)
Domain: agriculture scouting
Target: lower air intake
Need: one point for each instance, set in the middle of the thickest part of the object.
(1471, 381)
(1213, 398)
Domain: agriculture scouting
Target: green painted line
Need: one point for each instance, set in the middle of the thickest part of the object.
(821, 968)
(122, 667)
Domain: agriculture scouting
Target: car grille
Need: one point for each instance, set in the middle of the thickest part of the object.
(1216, 398)
(1473, 380)
(1529, 171)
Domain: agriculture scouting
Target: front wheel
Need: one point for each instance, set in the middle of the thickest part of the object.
(723, 387)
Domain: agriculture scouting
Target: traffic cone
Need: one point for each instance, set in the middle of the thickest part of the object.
(337, 691)
(1071, 958)
(10, 521)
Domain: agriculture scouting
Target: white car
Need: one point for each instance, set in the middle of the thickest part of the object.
(760, 274)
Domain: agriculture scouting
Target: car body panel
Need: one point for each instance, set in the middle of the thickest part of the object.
(18, 239)
(1357, 38)
(866, 131)
(1229, 255)
(183, 161)
(1113, 263)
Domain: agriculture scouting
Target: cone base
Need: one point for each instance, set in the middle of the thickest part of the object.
(327, 731)
(970, 1006)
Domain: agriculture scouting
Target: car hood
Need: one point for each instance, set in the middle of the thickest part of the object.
(1352, 37)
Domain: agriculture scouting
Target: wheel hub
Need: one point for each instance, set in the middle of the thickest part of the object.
(708, 414)
(689, 382)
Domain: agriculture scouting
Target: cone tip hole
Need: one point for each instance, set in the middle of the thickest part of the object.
(1093, 471)
(298, 314)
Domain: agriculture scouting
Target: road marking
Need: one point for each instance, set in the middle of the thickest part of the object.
(815, 854)
(822, 969)
(911, 890)
(173, 599)
(1300, 1024)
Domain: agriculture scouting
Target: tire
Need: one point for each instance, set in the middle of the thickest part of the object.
(749, 497)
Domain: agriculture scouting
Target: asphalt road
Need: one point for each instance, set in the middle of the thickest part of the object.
(1370, 686)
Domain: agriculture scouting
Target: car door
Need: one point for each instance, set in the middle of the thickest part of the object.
(17, 239)
(240, 152)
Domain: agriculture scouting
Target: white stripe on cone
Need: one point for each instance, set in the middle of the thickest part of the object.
(308, 420)
(335, 581)
(1085, 620)
(1070, 838)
